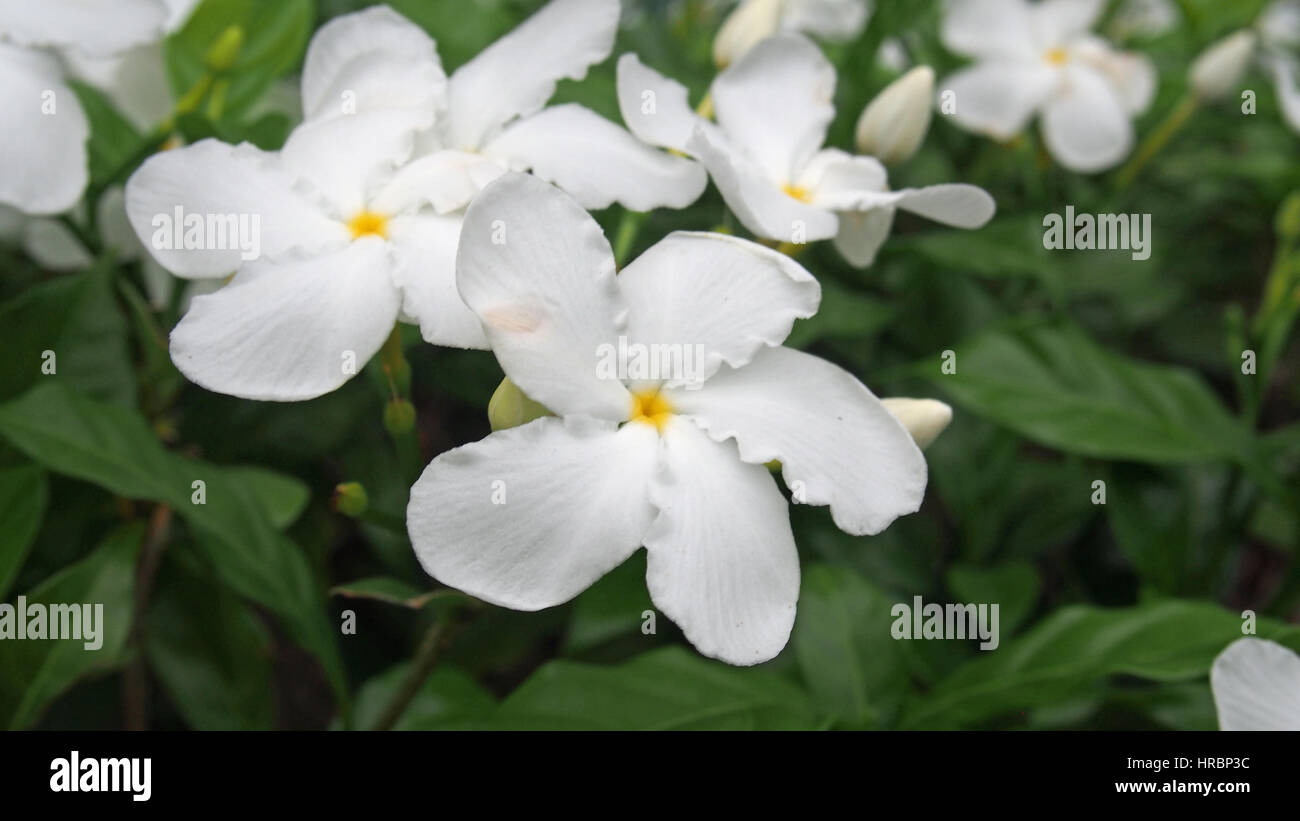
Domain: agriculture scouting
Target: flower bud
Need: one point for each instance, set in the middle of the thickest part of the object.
(925, 419)
(399, 417)
(350, 499)
(1288, 217)
(1219, 68)
(750, 22)
(509, 407)
(223, 53)
(894, 125)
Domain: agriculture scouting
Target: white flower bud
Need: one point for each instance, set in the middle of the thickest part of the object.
(893, 126)
(925, 419)
(750, 22)
(1219, 68)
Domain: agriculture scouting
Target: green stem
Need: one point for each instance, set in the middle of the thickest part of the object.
(388, 521)
(628, 228)
(1157, 140)
(426, 658)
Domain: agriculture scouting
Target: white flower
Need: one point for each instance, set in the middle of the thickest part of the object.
(1147, 18)
(893, 125)
(1256, 686)
(1042, 58)
(765, 152)
(43, 165)
(352, 226)
(755, 20)
(530, 516)
(1279, 30)
(1216, 71)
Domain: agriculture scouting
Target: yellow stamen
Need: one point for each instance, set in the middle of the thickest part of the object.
(652, 408)
(367, 223)
(799, 193)
(1056, 56)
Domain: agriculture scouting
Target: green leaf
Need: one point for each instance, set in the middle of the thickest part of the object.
(847, 656)
(1012, 586)
(1075, 648)
(24, 492)
(448, 695)
(210, 651)
(282, 497)
(114, 448)
(75, 318)
(112, 137)
(1057, 387)
(667, 689)
(33, 672)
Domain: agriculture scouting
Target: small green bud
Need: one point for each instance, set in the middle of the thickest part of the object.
(350, 499)
(221, 57)
(1288, 217)
(399, 417)
(509, 407)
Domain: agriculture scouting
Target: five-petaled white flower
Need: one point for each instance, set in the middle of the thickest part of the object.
(350, 222)
(765, 151)
(1256, 686)
(1042, 57)
(530, 516)
(755, 20)
(43, 163)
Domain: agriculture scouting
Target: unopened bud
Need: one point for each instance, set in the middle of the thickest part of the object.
(1288, 217)
(225, 50)
(350, 499)
(750, 22)
(399, 417)
(925, 419)
(509, 407)
(894, 125)
(1218, 70)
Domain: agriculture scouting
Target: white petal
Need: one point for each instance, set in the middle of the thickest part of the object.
(371, 59)
(539, 273)
(655, 108)
(285, 331)
(42, 135)
(775, 104)
(834, 179)
(1256, 686)
(726, 294)
(1086, 127)
(1131, 75)
(1288, 95)
(345, 159)
(955, 204)
(516, 75)
(211, 179)
(757, 202)
(862, 233)
(447, 180)
(94, 27)
(721, 559)
(989, 28)
(748, 24)
(596, 161)
(834, 20)
(135, 81)
(1057, 22)
(837, 444)
(998, 98)
(53, 246)
(424, 249)
(529, 517)
(925, 419)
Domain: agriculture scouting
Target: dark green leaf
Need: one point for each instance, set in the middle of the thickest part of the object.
(24, 492)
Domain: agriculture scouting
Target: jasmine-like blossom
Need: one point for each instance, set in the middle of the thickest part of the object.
(1042, 58)
(1256, 686)
(765, 152)
(530, 516)
(351, 225)
(43, 164)
(755, 20)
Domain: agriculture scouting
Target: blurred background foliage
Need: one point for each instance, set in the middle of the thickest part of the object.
(1072, 368)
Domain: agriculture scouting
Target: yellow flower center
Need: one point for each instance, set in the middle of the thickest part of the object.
(1056, 56)
(651, 407)
(797, 192)
(367, 223)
